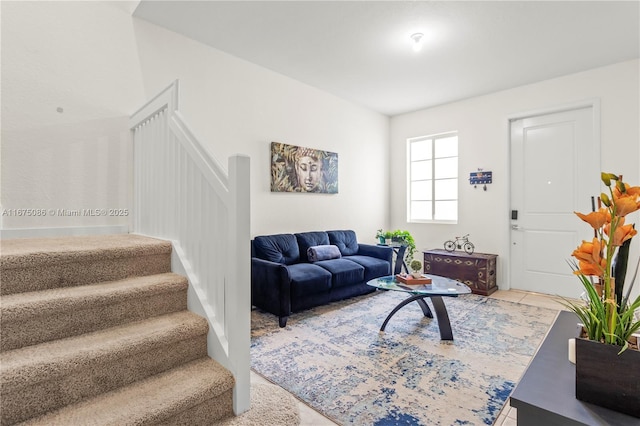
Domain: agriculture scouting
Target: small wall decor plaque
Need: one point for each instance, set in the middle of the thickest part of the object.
(299, 169)
(478, 178)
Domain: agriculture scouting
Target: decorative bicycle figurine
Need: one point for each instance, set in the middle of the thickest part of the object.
(461, 243)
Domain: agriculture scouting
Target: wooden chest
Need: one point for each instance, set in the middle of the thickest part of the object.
(477, 270)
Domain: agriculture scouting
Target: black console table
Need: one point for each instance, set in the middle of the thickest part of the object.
(399, 250)
(546, 393)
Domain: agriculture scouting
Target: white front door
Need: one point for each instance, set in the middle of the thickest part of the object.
(555, 170)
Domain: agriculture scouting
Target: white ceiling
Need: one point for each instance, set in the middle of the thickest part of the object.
(360, 50)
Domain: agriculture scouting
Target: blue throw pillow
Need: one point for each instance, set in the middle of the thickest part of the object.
(327, 252)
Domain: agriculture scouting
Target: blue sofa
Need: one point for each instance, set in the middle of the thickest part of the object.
(284, 280)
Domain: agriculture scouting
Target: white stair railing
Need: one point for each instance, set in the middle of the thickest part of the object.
(182, 194)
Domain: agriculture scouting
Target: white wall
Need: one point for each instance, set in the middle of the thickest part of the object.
(77, 56)
(483, 143)
(100, 65)
(236, 107)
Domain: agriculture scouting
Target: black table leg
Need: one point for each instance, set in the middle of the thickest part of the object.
(425, 308)
(443, 318)
(441, 313)
(400, 306)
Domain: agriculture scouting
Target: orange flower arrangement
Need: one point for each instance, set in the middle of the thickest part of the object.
(602, 264)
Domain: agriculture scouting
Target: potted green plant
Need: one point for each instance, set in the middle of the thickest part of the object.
(607, 315)
(385, 237)
(405, 238)
(416, 267)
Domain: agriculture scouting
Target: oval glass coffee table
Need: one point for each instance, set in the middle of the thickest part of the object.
(440, 287)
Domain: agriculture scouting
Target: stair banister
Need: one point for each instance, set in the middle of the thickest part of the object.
(181, 193)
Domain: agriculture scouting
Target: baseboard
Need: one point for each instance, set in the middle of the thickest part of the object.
(7, 234)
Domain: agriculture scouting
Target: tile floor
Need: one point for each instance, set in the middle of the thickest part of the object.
(507, 417)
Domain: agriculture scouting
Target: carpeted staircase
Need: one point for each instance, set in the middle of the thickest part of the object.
(95, 330)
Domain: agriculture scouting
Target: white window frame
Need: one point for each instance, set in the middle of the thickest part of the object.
(434, 196)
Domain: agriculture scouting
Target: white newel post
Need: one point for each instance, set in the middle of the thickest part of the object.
(239, 285)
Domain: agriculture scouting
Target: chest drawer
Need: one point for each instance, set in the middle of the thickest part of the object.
(478, 270)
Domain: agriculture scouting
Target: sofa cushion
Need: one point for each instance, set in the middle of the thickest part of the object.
(346, 241)
(310, 239)
(373, 267)
(317, 253)
(280, 248)
(307, 278)
(343, 272)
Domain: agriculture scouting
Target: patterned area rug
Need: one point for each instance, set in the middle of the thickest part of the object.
(335, 359)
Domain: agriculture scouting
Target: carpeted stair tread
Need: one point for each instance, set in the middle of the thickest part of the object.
(68, 298)
(153, 400)
(36, 317)
(29, 365)
(40, 264)
(19, 252)
(270, 405)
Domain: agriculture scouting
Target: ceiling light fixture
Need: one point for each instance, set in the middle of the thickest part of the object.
(417, 41)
